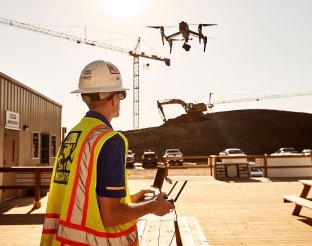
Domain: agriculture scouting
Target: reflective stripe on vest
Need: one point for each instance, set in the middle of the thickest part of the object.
(79, 199)
(74, 235)
(50, 223)
(73, 229)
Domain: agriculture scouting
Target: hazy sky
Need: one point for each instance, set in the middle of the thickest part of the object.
(258, 48)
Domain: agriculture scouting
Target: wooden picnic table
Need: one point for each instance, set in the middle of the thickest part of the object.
(302, 200)
(155, 231)
(32, 177)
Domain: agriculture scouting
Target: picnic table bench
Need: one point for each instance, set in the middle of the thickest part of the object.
(160, 231)
(302, 200)
(29, 177)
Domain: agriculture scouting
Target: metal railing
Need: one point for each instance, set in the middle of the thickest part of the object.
(269, 164)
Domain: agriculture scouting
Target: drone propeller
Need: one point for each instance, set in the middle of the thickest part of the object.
(162, 32)
(156, 27)
(203, 24)
(208, 24)
(200, 27)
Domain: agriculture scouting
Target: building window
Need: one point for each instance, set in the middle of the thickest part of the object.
(35, 145)
(53, 146)
(44, 152)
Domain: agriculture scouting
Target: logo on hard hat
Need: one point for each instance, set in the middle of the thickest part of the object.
(86, 74)
(88, 71)
(112, 68)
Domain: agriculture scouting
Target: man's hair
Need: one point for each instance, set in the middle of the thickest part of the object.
(93, 97)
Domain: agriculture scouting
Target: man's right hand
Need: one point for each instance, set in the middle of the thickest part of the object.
(161, 205)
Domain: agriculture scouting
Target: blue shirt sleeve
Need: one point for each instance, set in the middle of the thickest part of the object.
(111, 169)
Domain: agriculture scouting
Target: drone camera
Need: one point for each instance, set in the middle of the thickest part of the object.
(186, 46)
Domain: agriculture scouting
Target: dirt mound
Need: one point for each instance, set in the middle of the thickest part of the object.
(254, 131)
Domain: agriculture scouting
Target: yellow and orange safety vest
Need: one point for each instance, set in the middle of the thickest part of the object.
(72, 215)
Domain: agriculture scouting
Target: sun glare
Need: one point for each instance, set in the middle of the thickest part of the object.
(124, 8)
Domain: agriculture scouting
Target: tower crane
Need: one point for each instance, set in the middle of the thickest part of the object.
(136, 54)
(211, 104)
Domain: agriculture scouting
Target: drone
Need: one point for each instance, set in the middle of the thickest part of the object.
(185, 31)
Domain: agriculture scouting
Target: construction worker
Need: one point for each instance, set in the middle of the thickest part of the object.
(89, 202)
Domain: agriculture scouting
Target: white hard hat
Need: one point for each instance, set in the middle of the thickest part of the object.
(100, 76)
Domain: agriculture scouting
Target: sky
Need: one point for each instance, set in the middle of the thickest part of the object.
(258, 48)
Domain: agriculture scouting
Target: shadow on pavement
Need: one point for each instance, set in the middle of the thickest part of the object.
(306, 220)
(16, 203)
(21, 219)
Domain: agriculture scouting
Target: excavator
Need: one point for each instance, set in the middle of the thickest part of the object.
(188, 107)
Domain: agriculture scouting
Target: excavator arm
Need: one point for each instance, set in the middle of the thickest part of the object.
(188, 107)
(161, 111)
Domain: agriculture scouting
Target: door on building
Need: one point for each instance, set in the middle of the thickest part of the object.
(10, 158)
(44, 157)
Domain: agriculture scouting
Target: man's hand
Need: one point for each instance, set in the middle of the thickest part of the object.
(114, 213)
(161, 205)
(141, 194)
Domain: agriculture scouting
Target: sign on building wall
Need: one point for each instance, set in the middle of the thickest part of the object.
(12, 120)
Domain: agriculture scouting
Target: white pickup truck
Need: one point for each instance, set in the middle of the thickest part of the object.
(173, 157)
(285, 151)
(232, 152)
(235, 153)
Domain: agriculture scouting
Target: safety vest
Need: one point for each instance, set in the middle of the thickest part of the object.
(72, 216)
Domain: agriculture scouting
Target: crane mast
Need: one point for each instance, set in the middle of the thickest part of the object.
(136, 87)
(136, 54)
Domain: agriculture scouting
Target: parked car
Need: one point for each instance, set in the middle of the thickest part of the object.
(255, 171)
(236, 153)
(285, 151)
(306, 152)
(232, 152)
(175, 154)
(149, 159)
(130, 159)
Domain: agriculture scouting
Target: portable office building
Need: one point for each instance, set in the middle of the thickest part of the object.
(30, 128)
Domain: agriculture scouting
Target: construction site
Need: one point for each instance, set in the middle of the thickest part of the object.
(216, 206)
(254, 131)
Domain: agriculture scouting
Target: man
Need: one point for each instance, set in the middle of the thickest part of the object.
(89, 201)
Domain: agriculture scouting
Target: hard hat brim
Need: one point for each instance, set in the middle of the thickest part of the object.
(99, 89)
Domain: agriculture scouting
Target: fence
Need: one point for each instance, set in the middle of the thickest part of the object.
(38, 177)
(272, 166)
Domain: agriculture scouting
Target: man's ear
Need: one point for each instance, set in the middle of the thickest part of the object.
(114, 100)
